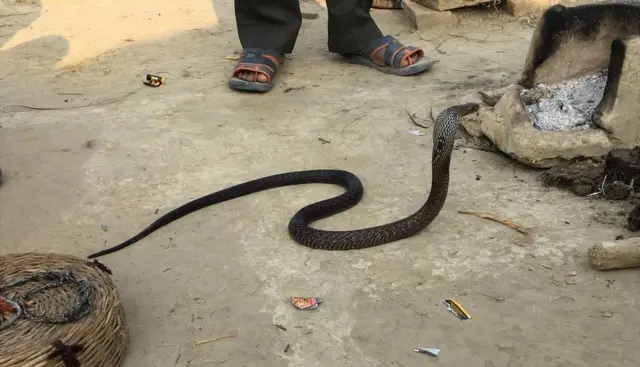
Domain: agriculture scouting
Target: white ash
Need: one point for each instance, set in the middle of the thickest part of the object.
(568, 105)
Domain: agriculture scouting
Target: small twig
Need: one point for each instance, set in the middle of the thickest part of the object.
(195, 343)
(114, 100)
(286, 349)
(352, 121)
(497, 299)
(504, 222)
(280, 327)
(178, 358)
(600, 188)
(291, 89)
(415, 122)
(219, 361)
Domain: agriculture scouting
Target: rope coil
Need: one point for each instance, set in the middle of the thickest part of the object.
(80, 304)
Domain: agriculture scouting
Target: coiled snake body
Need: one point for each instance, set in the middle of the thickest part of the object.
(444, 133)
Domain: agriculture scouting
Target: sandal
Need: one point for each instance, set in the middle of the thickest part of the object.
(260, 61)
(394, 55)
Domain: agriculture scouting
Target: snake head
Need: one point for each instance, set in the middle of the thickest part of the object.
(457, 111)
(466, 108)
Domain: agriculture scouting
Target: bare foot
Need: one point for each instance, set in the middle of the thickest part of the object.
(259, 68)
(378, 58)
(252, 76)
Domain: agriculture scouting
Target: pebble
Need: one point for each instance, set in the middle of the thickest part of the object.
(607, 314)
(572, 274)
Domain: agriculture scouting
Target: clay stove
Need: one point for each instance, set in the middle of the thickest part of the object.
(579, 92)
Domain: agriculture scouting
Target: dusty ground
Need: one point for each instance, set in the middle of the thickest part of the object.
(231, 268)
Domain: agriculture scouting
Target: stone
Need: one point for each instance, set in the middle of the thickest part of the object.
(441, 5)
(424, 18)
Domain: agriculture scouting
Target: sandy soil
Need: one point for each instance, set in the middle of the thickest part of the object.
(79, 179)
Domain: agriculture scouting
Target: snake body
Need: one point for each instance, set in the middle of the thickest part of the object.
(444, 133)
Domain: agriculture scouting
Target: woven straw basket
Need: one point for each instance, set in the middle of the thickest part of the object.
(28, 342)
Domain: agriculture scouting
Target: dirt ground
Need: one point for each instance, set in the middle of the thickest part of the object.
(79, 179)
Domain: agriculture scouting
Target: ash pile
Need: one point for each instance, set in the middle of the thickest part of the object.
(566, 106)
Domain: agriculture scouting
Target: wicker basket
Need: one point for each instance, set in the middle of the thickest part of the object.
(102, 332)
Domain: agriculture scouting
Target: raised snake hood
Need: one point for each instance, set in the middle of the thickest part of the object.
(571, 48)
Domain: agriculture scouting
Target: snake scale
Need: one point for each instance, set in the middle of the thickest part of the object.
(444, 133)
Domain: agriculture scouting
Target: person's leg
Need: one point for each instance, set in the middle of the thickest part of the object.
(268, 24)
(354, 34)
(350, 25)
(268, 30)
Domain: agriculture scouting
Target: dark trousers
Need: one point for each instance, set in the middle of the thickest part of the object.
(274, 24)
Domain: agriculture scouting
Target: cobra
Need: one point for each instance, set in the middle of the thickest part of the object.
(444, 133)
